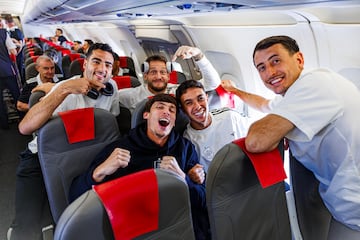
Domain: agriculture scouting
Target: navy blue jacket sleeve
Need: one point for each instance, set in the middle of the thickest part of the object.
(197, 191)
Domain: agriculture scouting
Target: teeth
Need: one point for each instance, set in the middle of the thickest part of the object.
(275, 81)
(164, 120)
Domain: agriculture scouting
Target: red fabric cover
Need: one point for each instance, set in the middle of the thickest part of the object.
(122, 81)
(173, 77)
(132, 204)
(226, 98)
(13, 58)
(268, 165)
(34, 58)
(74, 56)
(79, 124)
(123, 62)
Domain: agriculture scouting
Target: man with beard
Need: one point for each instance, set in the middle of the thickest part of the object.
(157, 74)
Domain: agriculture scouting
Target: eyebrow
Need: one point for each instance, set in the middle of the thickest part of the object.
(100, 60)
(274, 55)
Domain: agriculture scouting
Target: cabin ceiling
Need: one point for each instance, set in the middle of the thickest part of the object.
(70, 11)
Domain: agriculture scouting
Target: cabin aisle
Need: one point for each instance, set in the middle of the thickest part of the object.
(11, 143)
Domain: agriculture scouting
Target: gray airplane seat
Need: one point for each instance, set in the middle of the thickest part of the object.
(35, 97)
(67, 60)
(126, 81)
(137, 117)
(77, 67)
(30, 71)
(66, 146)
(157, 206)
(313, 217)
(219, 98)
(239, 206)
(127, 65)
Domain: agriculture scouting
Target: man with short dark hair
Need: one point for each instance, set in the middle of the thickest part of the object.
(31, 200)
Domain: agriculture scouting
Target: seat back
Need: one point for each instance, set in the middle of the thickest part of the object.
(35, 97)
(30, 71)
(219, 98)
(61, 161)
(177, 77)
(67, 60)
(137, 117)
(86, 217)
(238, 206)
(127, 65)
(77, 67)
(313, 217)
(126, 81)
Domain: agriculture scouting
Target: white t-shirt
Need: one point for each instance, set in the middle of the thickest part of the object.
(324, 107)
(75, 101)
(226, 126)
(130, 97)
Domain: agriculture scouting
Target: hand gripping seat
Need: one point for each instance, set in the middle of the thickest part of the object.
(239, 207)
(313, 217)
(61, 161)
(137, 117)
(164, 210)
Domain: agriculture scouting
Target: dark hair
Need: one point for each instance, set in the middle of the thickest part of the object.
(77, 41)
(102, 46)
(156, 58)
(59, 29)
(181, 89)
(161, 97)
(287, 42)
(89, 41)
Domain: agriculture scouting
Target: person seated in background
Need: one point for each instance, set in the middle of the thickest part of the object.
(208, 131)
(46, 68)
(77, 47)
(31, 203)
(87, 44)
(144, 145)
(317, 114)
(157, 75)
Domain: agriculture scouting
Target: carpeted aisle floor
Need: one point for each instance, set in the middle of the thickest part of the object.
(11, 143)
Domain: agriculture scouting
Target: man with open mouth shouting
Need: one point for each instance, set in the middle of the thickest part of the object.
(145, 144)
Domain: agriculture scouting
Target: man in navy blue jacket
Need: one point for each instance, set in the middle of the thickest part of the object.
(145, 144)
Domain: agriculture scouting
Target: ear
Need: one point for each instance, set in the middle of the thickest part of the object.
(300, 58)
(146, 115)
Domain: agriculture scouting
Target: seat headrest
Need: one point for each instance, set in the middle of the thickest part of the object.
(133, 212)
(79, 124)
(268, 165)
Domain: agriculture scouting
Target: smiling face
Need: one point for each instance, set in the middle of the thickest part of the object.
(278, 68)
(98, 66)
(157, 77)
(194, 103)
(160, 120)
